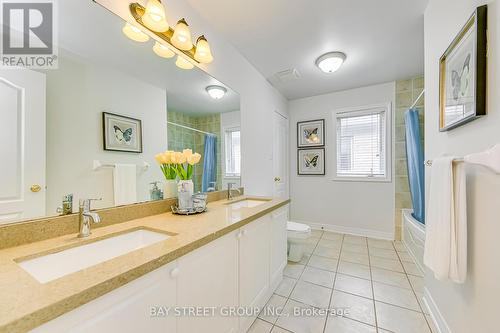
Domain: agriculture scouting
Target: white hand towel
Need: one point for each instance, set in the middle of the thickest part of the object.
(125, 184)
(446, 224)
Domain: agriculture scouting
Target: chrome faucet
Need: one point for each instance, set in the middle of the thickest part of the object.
(230, 189)
(85, 216)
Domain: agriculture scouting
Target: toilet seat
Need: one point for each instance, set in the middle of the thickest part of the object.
(298, 230)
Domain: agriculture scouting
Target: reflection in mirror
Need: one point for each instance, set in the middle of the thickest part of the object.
(92, 127)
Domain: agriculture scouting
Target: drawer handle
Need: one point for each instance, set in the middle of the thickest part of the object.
(239, 234)
(244, 232)
(174, 272)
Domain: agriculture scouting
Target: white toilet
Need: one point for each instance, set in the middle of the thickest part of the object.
(297, 235)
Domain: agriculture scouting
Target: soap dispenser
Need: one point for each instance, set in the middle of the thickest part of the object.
(155, 193)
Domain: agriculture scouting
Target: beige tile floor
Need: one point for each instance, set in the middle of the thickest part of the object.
(375, 280)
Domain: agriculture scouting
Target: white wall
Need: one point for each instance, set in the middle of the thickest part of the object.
(258, 98)
(228, 120)
(473, 306)
(357, 207)
(77, 94)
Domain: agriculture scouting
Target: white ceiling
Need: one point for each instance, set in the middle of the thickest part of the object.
(92, 32)
(383, 39)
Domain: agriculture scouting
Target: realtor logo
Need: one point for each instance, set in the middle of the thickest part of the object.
(28, 34)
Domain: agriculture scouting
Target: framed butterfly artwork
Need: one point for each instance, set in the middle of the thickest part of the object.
(121, 133)
(462, 74)
(311, 162)
(311, 133)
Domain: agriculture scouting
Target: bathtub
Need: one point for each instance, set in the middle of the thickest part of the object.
(414, 237)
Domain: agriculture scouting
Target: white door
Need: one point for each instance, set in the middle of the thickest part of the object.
(280, 156)
(22, 144)
(208, 278)
(254, 266)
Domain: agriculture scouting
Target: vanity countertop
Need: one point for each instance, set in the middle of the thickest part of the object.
(26, 303)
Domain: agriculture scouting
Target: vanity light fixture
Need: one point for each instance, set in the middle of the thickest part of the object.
(179, 38)
(216, 92)
(183, 63)
(134, 33)
(154, 16)
(182, 36)
(330, 62)
(203, 53)
(163, 51)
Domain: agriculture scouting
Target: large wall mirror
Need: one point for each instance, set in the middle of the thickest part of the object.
(112, 104)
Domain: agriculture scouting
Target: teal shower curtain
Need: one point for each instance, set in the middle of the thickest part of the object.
(209, 163)
(415, 160)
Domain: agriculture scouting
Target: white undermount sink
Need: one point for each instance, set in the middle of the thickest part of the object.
(247, 203)
(55, 265)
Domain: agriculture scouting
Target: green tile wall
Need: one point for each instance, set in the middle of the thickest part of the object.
(406, 93)
(180, 138)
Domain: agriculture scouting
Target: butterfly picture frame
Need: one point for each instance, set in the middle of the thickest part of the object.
(311, 162)
(311, 133)
(121, 133)
(462, 74)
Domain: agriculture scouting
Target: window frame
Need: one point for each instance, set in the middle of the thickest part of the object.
(389, 145)
(225, 132)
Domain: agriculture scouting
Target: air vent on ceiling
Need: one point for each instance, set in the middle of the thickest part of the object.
(288, 75)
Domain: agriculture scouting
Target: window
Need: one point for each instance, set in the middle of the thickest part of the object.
(362, 144)
(233, 152)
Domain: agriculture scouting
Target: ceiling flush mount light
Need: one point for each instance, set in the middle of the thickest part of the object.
(203, 53)
(163, 51)
(330, 62)
(134, 33)
(183, 63)
(154, 16)
(182, 36)
(216, 92)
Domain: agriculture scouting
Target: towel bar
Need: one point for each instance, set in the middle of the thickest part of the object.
(97, 165)
(489, 158)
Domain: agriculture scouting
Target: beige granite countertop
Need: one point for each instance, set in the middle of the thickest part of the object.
(26, 303)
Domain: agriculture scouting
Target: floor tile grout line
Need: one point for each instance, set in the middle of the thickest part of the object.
(414, 293)
(334, 281)
(373, 290)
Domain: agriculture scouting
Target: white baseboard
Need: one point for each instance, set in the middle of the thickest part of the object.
(351, 231)
(436, 316)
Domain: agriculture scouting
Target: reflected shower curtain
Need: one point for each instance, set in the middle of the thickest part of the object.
(415, 160)
(209, 177)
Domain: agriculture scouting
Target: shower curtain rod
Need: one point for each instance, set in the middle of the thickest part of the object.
(190, 128)
(418, 98)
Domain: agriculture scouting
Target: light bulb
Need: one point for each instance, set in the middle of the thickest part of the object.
(183, 63)
(134, 33)
(203, 53)
(330, 62)
(181, 38)
(216, 92)
(162, 50)
(154, 16)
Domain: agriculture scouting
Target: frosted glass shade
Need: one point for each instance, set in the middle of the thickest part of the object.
(183, 63)
(163, 51)
(181, 38)
(134, 33)
(203, 53)
(154, 16)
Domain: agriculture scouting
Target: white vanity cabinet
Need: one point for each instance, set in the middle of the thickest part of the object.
(278, 245)
(254, 242)
(208, 277)
(241, 268)
(126, 309)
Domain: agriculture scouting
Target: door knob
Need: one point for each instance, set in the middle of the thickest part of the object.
(35, 188)
(277, 179)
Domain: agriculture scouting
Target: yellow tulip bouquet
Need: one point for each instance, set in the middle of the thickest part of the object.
(175, 164)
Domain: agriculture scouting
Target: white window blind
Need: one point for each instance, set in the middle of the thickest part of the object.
(233, 152)
(361, 144)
